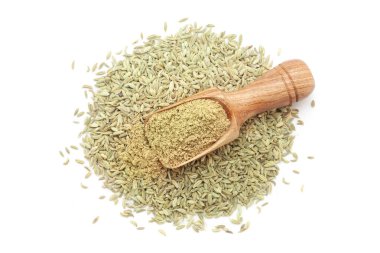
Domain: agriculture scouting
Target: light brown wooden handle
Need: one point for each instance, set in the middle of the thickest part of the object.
(283, 85)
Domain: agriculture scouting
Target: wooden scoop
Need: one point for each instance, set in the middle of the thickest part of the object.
(283, 85)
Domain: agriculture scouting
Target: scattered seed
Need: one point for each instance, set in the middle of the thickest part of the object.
(182, 20)
(142, 36)
(264, 204)
(88, 174)
(179, 227)
(244, 227)
(88, 69)
(83, 186)
(94, 67)
(102, 197)
(108, 56)
(95, 220)
(165, 26)
(228, 231)
(162, 232)
(310, 157)
(300, 122)
(74, 147)
(67, 150)
(73, 65)
(76, 112)
(236, 221)
(302, 187)
(296, 172)
(284, 181)
(61, 153)
(127, 213)
(258, 209)
(295, 157)
(79, 161)
(140, 228)
(312, 103)
(66, 162)
(76, 122)
(134, 223)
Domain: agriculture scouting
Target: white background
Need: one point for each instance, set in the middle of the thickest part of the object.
(43, 209)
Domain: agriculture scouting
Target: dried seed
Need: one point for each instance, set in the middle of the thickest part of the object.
(295, 157)
(312, 103)
(66, 162)
(127, 213)
(310, 157)
(73, 65)
(108, 56)
(228, 231)
(179, 227)
(88, 174)
(162, 232)
(182, 20)
(95, 220)
(244, 227)
(165, 26)
(61, 153)
(67, 150)
(302, 187)
(76, 112)
(94, 67)
(296, 172)
(264, 204)
(284, 181)
(79, 161)
(74, 147)
(102, 197)
(134, 223)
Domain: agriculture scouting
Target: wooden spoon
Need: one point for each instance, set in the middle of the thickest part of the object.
(283, 85)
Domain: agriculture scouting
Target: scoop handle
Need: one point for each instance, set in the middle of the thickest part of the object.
(283, 85)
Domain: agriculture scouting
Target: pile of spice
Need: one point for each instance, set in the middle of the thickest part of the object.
(159, 72)
(178, 134)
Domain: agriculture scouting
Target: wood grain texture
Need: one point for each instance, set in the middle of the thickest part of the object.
(281, 86)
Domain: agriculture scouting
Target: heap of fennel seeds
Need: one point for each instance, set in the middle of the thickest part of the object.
(159, 73)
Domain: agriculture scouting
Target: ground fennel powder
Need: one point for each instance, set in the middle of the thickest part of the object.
(178, 134)
(156, 74)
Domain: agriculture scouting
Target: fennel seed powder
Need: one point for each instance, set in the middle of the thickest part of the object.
(182, 132)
